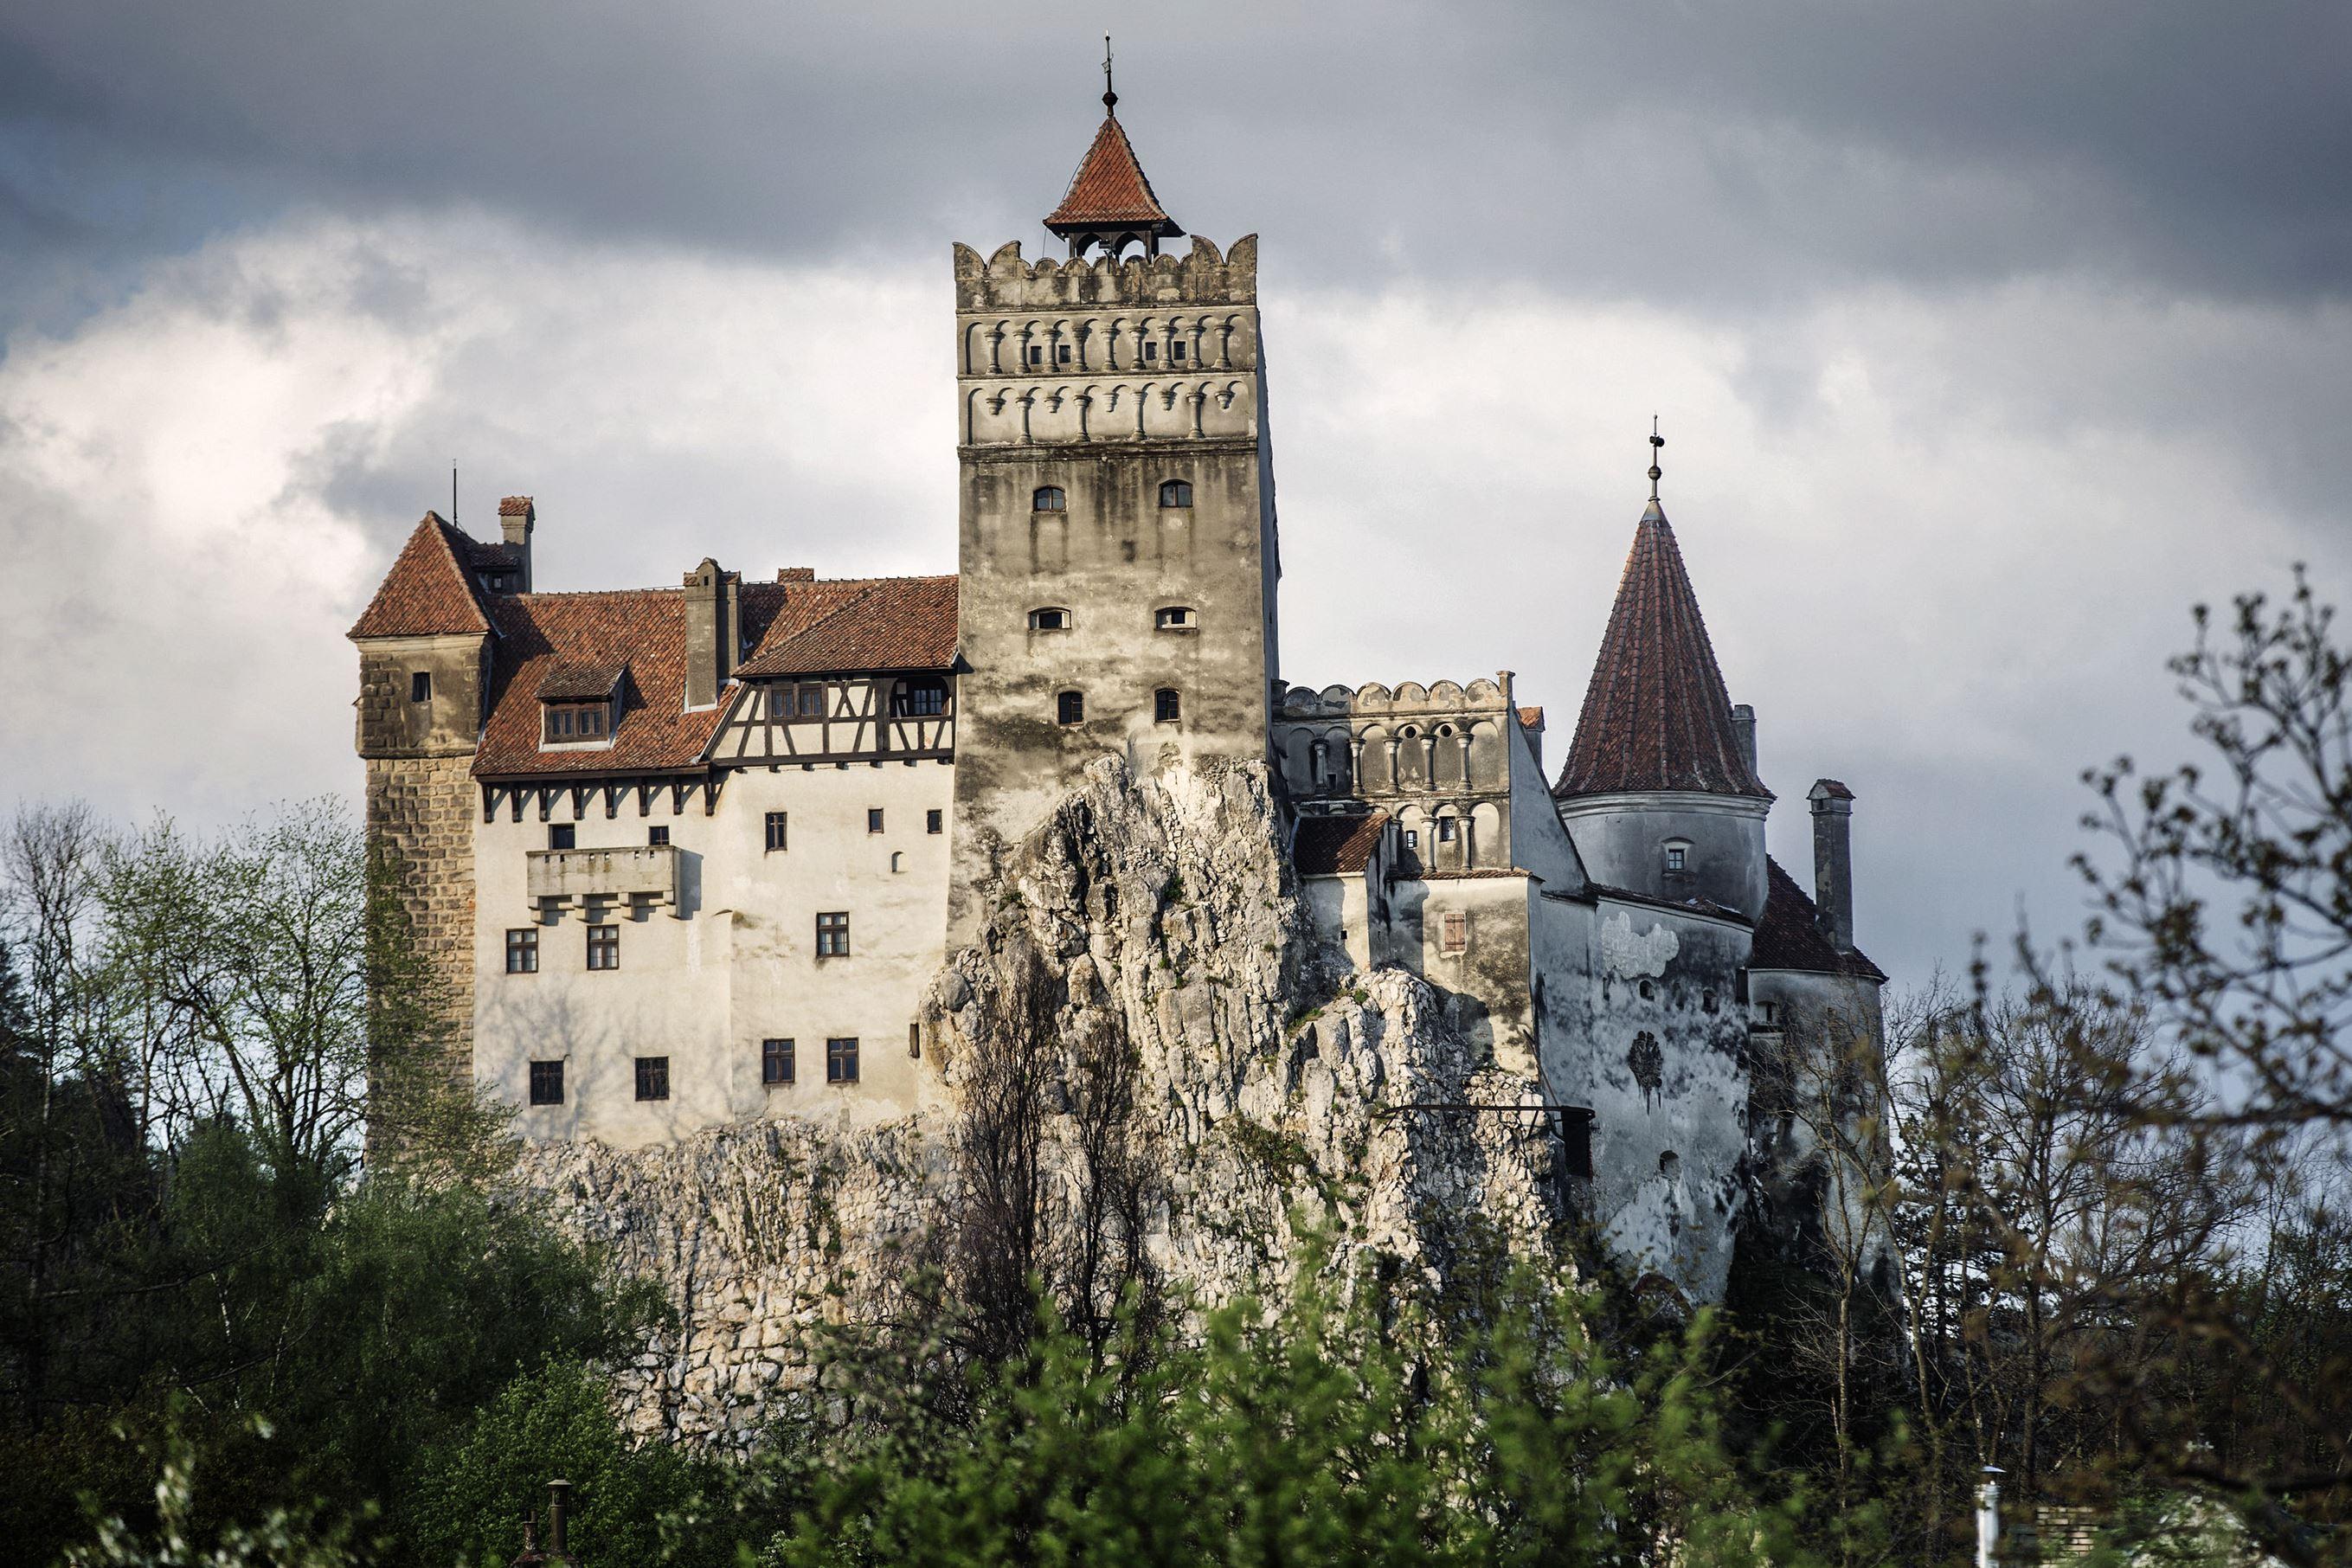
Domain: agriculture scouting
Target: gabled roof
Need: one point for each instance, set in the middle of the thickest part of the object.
(875, 623)
(1790, 934)
(430, 590)
(1110, 190)
(1336, 846)
(1656, 716)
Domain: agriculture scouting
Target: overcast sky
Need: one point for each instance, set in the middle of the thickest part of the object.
(1986, 338)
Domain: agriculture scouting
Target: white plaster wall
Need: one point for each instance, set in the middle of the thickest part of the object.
(731, 963)
(1621, 839)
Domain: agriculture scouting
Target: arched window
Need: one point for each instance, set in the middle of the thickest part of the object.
(1070, 708)
(1049, 498)
(1166, 707)
(1176, 492)
(1174, 618)
(1051, 619)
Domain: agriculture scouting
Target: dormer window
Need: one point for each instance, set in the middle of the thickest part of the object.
(1175, 618)
(1049, 498)
(1176, 492)
(577, 705)
(578, 722)
(1049, 620)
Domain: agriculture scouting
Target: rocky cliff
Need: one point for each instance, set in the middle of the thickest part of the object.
(1149, 1012)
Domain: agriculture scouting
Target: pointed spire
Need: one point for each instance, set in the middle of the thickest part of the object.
(1656, 716)
(1110, 200)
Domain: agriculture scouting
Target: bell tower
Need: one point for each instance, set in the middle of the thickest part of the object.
(1116, 542)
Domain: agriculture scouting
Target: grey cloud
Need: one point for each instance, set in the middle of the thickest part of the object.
(1699, 153)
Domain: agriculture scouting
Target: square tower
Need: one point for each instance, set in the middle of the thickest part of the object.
(1116, 540)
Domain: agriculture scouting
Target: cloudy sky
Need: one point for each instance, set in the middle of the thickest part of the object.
(1986, 339)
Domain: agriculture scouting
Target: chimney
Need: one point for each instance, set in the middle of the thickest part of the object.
(559, 1501)
(714, 603)
(1743, 725)
(516, 518)
(1833, 861)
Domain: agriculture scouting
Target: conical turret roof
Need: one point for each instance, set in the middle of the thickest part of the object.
(1656, 716)
(1110, 190)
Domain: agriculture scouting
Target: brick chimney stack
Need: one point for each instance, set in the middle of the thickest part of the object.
(516, 518)
(1833, 861)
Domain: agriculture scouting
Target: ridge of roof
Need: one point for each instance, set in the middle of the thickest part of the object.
(1790, 934)
(428, 592)
(882, 622)
(1110, 190)
(1656, 715)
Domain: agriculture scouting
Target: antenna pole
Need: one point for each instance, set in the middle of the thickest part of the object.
(1110, 98)
(1657, 450)
(453, 492)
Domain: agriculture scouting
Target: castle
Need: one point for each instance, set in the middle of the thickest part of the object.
(687, 857)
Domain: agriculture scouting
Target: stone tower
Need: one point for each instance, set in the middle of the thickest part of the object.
(425, 666)
(1116, 536)
(1660, 789)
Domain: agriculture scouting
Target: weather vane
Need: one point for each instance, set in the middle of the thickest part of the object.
(1657, 450)
(1110, 98)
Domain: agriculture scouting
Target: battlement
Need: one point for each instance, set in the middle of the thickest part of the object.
(1373, 699)
(1202, 276)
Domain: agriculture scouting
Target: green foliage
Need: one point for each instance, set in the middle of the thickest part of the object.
(633, 1505)
(1332, 1431)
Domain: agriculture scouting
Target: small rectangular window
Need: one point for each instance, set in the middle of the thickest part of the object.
(873, 819)
(656, 837)
(420, 686)
(547, 1083)
(811, 699)
(522, 949)
(1412, 840)
(1070, 708)
(1576, 1140)
(1166, 707)
(1675, 857)
(561, 834)
(1049, 620)
(1176, 351)
(780, 701)
(776, 1061)
(1445, 829)
(833, 934)
(1150, 353)
(1061, 354)
(1036, 353)
(604, 947)
(935, 821)
(915, 1039)
(652, 1077)
(1454, 932)
(775, 830)
(841, 1061)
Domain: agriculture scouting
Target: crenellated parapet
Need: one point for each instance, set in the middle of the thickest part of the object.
(1202, 276)
(1437, 755)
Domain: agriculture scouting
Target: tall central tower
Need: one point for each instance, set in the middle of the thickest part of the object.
(1117, 523)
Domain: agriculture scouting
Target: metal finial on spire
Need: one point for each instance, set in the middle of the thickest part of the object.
(1110, 98)
(1657, 450)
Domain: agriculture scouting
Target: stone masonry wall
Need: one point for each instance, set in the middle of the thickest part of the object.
(1271, 1082)
(421, 810)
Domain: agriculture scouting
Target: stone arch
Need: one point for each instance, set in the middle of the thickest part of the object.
(1298, 760)
(1375, 775)
(1487, 836)
(1489, 766)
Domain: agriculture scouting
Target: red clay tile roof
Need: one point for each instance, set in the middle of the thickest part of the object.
(1656, 716)
(579, 682)
(429, 592)
(1531, 717)
(1109, 190)
(876, 623)
(1336, 846)
(548, 636)
(515, 506)
(1789, 936)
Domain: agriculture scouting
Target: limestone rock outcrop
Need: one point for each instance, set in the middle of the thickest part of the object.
(1266, 1089)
